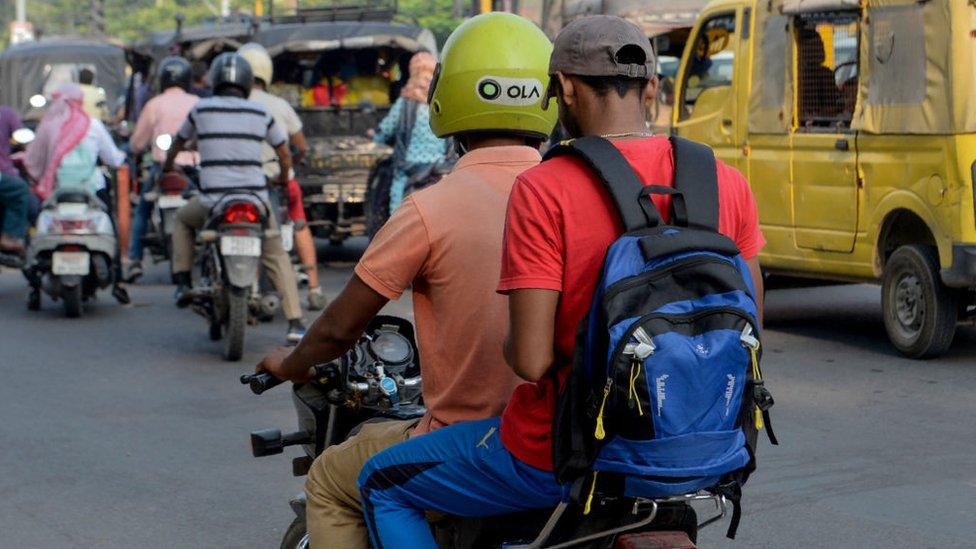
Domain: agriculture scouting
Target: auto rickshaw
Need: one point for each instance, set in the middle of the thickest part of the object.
(31, 71)
(340, 70)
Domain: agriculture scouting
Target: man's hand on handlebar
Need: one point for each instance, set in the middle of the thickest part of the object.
(273, 364)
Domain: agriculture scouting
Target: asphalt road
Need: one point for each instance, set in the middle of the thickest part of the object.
(125, 428)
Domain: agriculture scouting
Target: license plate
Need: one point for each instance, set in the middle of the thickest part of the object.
(71, 209)
(168, 202)
(240, 245)
(287, 236)
(70, 263)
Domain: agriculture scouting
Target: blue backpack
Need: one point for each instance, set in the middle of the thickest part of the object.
(665, 396)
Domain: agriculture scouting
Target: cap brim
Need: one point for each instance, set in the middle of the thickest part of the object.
(550, 92)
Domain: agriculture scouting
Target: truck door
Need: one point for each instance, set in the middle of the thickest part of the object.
(825, 182)
(706, 103)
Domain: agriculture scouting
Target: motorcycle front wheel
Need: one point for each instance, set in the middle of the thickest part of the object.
(236, 324)
(296, 536)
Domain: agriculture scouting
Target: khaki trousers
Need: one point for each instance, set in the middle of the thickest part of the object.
(334, 513)
(191, 218)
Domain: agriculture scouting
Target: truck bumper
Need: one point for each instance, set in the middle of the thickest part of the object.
(962, 273)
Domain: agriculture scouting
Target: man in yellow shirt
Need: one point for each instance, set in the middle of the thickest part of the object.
(94, 103)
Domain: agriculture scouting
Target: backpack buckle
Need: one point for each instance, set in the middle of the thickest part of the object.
(748, 339)
(761, 396)
(643, 348)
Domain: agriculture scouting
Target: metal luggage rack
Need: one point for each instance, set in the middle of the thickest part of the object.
(379, 10)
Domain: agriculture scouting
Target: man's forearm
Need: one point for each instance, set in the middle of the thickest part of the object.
(175, 149)
(319, 346)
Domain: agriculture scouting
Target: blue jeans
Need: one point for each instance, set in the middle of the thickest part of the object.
(14, 201)
(461, 470)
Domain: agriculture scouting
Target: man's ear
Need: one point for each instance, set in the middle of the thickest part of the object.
(650, 92)
(566, 89)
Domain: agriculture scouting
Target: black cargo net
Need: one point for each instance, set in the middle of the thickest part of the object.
(827, 70)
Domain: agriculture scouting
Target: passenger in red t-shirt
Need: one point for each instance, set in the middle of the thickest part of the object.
(561, 222)
(559, 225)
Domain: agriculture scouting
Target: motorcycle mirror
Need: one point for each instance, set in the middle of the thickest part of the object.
(22, 136)
(37, 101)
(164, 141)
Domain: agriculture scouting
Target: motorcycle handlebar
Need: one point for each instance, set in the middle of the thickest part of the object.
(260, 383)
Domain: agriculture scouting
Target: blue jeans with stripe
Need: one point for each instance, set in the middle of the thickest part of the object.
(461, 470)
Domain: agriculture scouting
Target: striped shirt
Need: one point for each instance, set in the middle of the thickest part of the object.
(230, 132)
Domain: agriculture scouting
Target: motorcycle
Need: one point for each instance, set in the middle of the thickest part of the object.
(229, 258)
(71, 252)
(379, 378)
(167, 196)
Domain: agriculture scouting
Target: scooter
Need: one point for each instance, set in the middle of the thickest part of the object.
(379, 378)
(71, 252)
(229, 261)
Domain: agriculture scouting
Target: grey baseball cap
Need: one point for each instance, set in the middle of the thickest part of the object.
(589, 46)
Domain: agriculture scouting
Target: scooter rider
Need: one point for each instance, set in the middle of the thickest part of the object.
(163, 114)
(14, 194)
(559, 225)
(445, 241)
(229, 130)
(286, 117)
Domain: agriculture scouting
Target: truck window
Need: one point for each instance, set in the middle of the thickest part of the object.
(827, 69)
(712, 60)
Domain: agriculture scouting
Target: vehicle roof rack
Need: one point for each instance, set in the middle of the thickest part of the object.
(380, 10)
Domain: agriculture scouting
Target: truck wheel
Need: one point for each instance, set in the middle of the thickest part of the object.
(920, 313)
(236, 324)
(296, 536)
(72, 301)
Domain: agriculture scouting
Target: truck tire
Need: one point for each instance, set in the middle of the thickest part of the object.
(72, 301)
(920, 314)
(295, 535)
(236, 325)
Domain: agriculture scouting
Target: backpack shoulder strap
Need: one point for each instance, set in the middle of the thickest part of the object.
(617, 175)
(696, 178)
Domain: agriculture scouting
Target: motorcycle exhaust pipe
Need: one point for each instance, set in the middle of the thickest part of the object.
(269, 304)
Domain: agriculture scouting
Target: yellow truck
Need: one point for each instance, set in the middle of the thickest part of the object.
(855, 123)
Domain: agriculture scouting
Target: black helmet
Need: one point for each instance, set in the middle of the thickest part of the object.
(231, 70)
(174, 71)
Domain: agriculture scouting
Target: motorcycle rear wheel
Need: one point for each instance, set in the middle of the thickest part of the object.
(294, 537)
(236, 324)
(72, 301)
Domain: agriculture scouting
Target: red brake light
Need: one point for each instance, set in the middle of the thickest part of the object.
(70, 248)
(241, 212)
(74, 226)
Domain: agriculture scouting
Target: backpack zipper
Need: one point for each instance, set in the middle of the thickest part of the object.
(660, 272)
(600, 433)
(639, 352)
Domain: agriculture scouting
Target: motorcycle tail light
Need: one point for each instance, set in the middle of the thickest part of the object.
(74, 226)
(70, 248)
(241, 212)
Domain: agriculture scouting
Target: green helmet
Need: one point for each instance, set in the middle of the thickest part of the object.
(492, 77)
